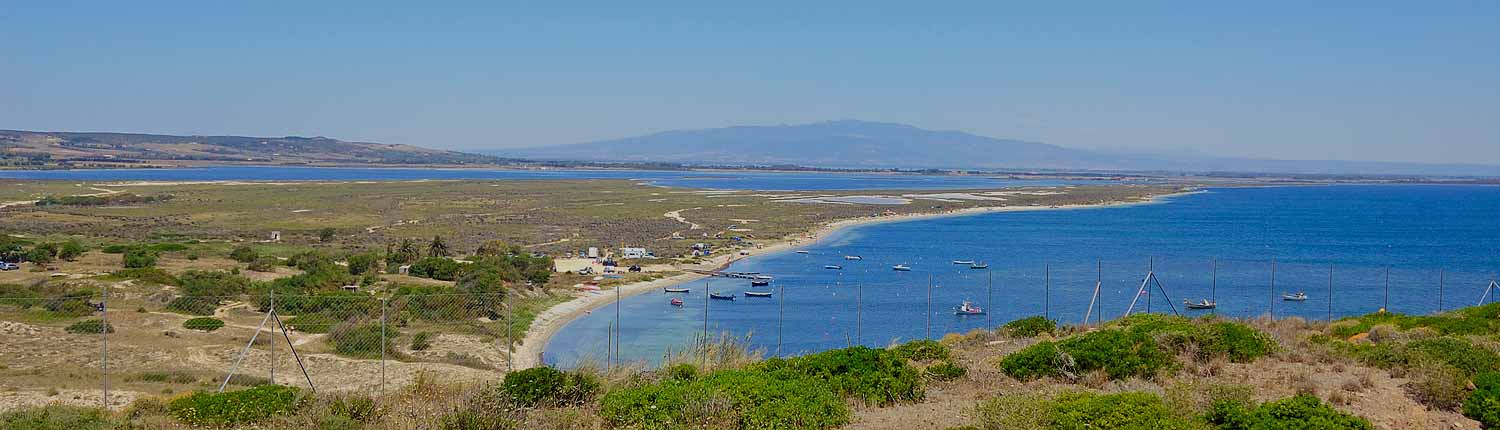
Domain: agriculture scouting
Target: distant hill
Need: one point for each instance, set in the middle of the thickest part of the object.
(864, 144)
(20, 148)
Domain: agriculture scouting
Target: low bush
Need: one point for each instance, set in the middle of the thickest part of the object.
(235, 408)
(360, 340)
(1483, 404)
(545, 386)
(876, 376)
(946, 370)
(1301, 412)
(421, 341)
(1079, 410)
(203, 324)
(90, 326)
(1029, 327)
(1120, 354)
(682, 372)
(312, 323)
(727, 399)
(138, 257)
(56, 417)
(244, 254)
(194, 305)
(263, 264)
(921, 350)
(1457, 352)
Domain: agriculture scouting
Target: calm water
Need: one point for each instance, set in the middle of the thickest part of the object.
(1415, 230)
(766, 181)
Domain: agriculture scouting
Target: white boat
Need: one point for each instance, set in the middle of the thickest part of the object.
(675, 290)
(901, 268)
(968, 309)
(1204, 304)
(757, 294)
(853, 257)
(1294, 297)
(803, 252)
(979, 265)
(834, 267)
(969, 262)
(759, 282)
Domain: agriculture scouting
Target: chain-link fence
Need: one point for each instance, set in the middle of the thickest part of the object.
(87, 347)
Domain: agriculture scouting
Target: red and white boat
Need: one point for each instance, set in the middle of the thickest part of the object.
(968, 309)
(677, 302)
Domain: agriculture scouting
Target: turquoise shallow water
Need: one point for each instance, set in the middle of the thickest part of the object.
(1415, 231)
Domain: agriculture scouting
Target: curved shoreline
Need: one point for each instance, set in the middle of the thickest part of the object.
(548, 323)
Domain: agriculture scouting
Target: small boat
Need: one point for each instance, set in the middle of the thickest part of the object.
(834, 267)
(1204, 304)
(717, 296)
(675, 290)
(901, 268)
(757, 294)
(968, 309)
(1295, 297)
(968, 262)
(853, 257)
(803, 252)
(677, 302)
(760, 282)
(979, 266)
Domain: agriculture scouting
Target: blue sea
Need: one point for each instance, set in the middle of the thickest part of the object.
(1409, 248)
(725, 180)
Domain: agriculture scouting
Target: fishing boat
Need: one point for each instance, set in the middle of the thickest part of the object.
(675, 290)
(717, 296)
(803, 252)
(968, 309)
(853, 257)
(901, 268)
(760, 282)
(968, 262)
(1203, 304)
(757, 294)
(677, 302)
(1295, 297)
(979, 265)
(834, 267)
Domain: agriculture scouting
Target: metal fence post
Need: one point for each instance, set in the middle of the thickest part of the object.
(104, 344)
(272, 345)
(780, 316)
(510, 341)
(383, 342)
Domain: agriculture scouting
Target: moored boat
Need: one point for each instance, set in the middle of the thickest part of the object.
(803, 252)
(1203, 304)
(1294, 297)
(901, 268)
(717, 296)
(760, 282)
(979, 265)
(968, 308)
(676, 302)
(853, 257)
(757, 294)
(968, 262)
(675, 290)
(833, 267)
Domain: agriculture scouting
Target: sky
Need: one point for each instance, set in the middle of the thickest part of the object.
(1335, 80)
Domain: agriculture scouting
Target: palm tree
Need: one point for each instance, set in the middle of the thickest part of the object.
(437, 248)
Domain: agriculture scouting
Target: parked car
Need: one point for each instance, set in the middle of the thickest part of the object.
(9, 266)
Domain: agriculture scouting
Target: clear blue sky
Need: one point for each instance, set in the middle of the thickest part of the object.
(1347, 80)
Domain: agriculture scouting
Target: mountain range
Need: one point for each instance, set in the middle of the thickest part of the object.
(38, 148)
(864, 144)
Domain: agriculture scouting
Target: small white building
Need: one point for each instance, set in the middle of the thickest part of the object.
(593, 252)
(276, 236)
(634, 253)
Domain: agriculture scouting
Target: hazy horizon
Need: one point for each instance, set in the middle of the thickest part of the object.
(1370, 81)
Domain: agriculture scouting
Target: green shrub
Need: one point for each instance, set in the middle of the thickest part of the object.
(356, 408)
(1302, 412)
(56, 417)
(946, 370)
(876, 376)
(203, 324)
(1436, 384)
(147, 274)
(1133, 410)
(138, 258)
(71, 250)
(360, 340)
(236, 407)
(734, 399)
(312, 323)
(90, 326)
(545, 386)
(421, 341)
(921, 350)
(1119, 353)
(1030, 327)
(263, 264)
(1456, 352)
(440, 268)
(682, 372)
(1483, 404)
(244, 254)
(1036, 361)
(194, 305)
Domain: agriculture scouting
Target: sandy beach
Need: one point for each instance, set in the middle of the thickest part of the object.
(529, 353)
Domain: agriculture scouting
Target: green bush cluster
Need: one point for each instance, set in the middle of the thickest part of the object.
(921, 350)
(1302, 412)
(90, 326)
(1029, 327)
(946, 370)
(312, 323)
(1467, 321)
(421, 341)
(1137, 346)
(56, 417)
(138, 257)
(740, 399)
(244, 254)
(1080, 410)
(203, 324)
(876, 376)
(360, 340)
(545, 386)
(236, 407)
(1483, 404)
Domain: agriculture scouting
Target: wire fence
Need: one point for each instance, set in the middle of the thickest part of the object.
(80, 346)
